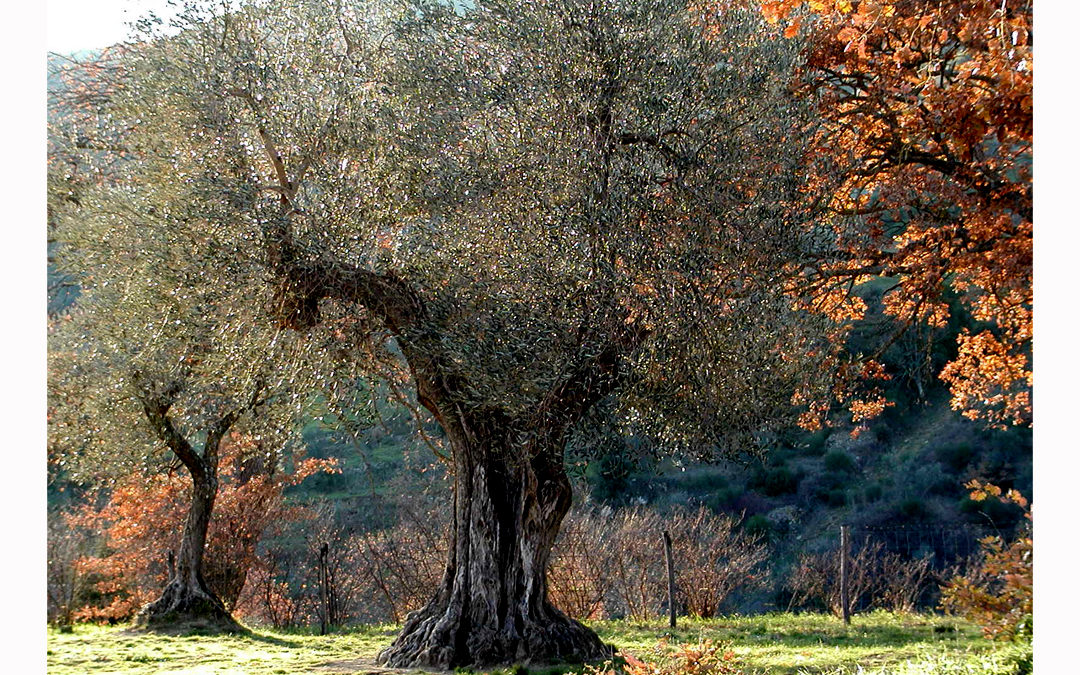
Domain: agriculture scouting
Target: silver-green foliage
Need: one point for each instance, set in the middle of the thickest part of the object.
(541, 174)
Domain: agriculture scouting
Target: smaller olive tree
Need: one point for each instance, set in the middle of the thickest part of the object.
(165, 353)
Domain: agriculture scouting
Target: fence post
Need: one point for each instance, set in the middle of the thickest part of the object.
(845, 572)
(323, 580)
(670, 579)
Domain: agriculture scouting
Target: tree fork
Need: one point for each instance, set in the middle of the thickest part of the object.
(187, 599)
(511, 492)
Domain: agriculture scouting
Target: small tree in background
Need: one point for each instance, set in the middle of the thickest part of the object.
(144, 514)
(169, 347)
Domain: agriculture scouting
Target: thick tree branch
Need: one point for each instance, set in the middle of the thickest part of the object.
(592, 380)
(156, 408)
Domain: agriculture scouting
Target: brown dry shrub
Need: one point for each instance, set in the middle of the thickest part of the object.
(580, 560)
(375, 576)
(713, 558)
(636, 564)
(877, 578)
(269, 598)
(902, 581)
(67, 582)
(611, 562)
(815, 582)
(402, 566)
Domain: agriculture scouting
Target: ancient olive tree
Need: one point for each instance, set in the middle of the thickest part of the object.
(540, 206)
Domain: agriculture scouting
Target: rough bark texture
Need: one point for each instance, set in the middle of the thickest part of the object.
(491, 607)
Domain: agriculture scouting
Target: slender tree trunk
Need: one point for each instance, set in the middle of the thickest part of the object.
(187, 600)
(510, 497)
(186, 597)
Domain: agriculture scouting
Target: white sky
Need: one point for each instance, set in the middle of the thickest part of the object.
(72, 25)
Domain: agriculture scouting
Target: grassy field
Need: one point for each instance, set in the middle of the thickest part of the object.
(778, 644)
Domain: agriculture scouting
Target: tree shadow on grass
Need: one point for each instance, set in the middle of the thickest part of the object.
(188, 629)
(271, 640)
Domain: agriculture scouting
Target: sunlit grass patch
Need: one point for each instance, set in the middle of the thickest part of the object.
(879, 643)
(783, 643)
(95, 649)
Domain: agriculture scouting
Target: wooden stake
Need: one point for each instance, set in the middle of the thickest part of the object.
(670, 579)
(323, 591)
(845, 564)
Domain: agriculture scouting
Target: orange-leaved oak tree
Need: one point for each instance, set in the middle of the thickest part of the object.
(924, 161)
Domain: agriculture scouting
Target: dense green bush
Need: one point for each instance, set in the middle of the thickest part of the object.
(779, 456)
(912, 508)
(703, 481)
(722, 499)
(607, 476)
(775, 481)
(759, 526)
(814, 445)
(990, 511)
(873, 492)
(324, 483)
(839, 462)
(955, 456)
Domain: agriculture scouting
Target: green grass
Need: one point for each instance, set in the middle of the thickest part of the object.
(782, 644)
(776, 644)
(96, 649)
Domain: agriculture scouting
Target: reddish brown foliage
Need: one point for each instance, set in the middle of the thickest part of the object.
(998, 594)
(704, 658)
(144, 516)
(924, 159)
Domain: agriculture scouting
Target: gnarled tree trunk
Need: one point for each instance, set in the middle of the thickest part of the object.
(511, 494)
